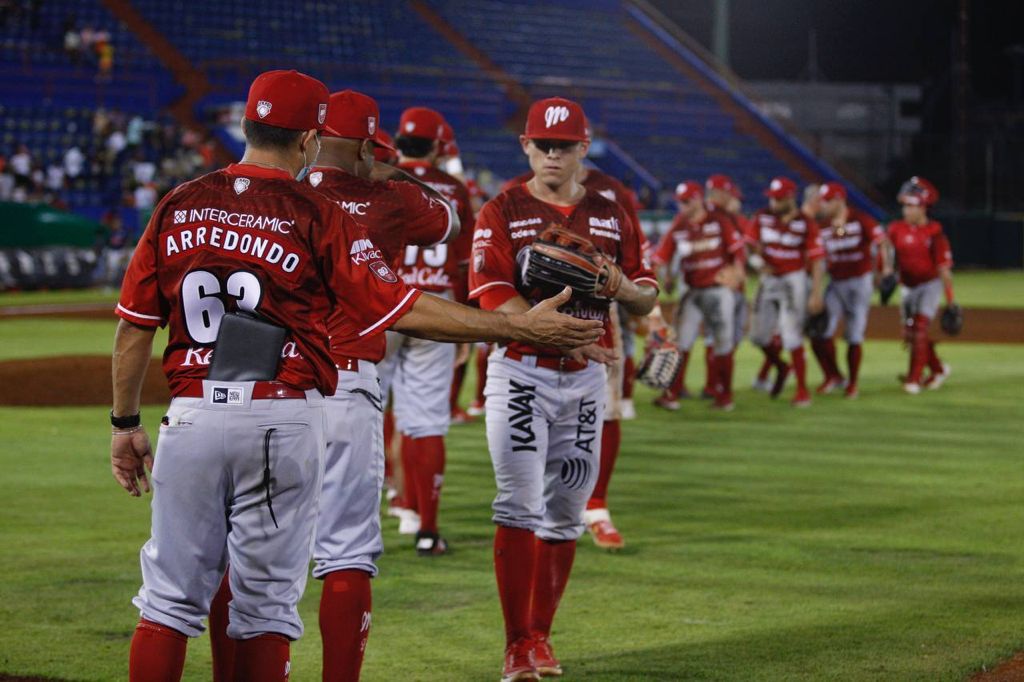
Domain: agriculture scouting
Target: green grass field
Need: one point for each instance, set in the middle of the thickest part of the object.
(868, 540)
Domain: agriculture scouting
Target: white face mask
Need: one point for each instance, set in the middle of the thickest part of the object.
(309, 164)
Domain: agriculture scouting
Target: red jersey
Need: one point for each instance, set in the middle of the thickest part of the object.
(920, 251)
(440, 268)
(394, 214)
(787, 246)
(701, 249)
(600, 182)
(251, 238)
(848, 247)
(510, 222)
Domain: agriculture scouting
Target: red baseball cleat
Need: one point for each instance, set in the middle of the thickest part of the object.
(544, 657)
(723, 403)
(852, 392)
(519, 663)
(830, 384)
(780, 380)
(802, 398)
(666, 402)
(460, 416)
(599, 523)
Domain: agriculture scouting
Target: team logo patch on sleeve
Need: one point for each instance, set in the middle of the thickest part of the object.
(383, 272)
(263, 108)
(479, 258)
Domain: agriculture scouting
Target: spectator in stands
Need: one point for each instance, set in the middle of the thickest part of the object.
(55, 177)
(105, 53)
(21, 167)
(72, 41)
(143, 171)
(74, 162)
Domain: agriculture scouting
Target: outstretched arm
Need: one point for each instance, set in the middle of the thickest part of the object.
(441, 320)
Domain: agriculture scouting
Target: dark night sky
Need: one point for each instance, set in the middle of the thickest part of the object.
(862, 40)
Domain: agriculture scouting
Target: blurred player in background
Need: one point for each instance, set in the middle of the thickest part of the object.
(706, 246)
(924, 260)
(419, 372)
(788, 243)
(852, 241)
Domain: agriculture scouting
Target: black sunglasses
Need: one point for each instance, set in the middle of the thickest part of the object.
(547, 145)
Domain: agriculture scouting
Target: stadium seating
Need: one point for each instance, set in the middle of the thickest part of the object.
(668, 124)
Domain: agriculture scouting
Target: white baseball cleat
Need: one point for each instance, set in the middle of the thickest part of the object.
(936, 380)
(475, 409)
(628, 409)
(408, 522)
(762, 385)
(911, 388)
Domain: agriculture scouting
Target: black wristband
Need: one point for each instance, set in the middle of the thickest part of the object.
(127, 422)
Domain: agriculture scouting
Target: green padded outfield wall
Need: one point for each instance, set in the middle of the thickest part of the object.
(33, 226)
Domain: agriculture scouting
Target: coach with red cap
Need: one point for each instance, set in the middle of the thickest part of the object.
(239, 464)
(789, 244)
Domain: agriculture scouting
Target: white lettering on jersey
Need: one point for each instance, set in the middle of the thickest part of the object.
(607, 223)
(246, 220)
(523, 223)
(355, 207)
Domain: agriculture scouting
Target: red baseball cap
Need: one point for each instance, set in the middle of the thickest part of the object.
(385, 149)
(780, 188)
(688, 189)
(288, 99)
(420, 122)
(724, 183)
(449, 148)
(832, 190)
(355, 115)
(556, 118)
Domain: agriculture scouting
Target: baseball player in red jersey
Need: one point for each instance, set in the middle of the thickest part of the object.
(924, 260)
(620, 371)
(788, 243)
(544, 408)
(417, 371)
(706, 246)
(251, 238)
(348, 537)
(851, 239)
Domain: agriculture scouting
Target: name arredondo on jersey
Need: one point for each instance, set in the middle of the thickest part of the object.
(268, 248)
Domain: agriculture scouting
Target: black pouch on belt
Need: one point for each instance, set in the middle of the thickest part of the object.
(248, 349)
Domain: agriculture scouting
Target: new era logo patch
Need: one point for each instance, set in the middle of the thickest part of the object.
(322, 114)
(179, 217)
(371, 124)
(228, 396)
(263, 108)
(241, 184)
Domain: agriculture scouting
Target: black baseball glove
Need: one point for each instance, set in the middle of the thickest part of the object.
(886, 288)
(952, 320)
(816, 325)
(560, 258)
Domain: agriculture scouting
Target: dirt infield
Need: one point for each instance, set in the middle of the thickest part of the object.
(981, 325)
(1008, 671)
(70, 380)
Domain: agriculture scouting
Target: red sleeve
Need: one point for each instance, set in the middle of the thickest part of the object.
(463, 245)
(493, 264)
(140, 302)
(667, 246)
(876, 233)
(375, 297)
(427, 220)
(814, 248)
(942, 252)
(634, 262)
(731, 236)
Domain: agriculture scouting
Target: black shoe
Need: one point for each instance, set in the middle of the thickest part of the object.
(430, 544)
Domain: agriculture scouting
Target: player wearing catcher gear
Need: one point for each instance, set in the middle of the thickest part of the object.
(419, 372)
(705, 245)
(544, 408)
(852, 240)
(788, 243)
(924, 260)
